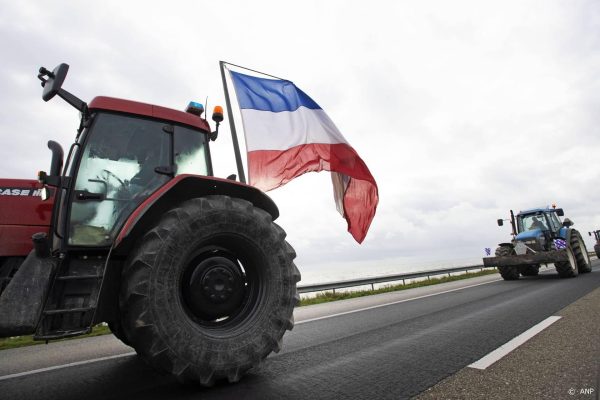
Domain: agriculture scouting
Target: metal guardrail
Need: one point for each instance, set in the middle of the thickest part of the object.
(319, 287)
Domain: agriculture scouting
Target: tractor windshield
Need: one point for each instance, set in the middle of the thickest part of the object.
(532, 222)
(118, 171)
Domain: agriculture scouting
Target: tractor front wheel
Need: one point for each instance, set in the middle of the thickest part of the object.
(210, 291)
(582, 257)
(508, 273)
(567, 269)
(530, 270)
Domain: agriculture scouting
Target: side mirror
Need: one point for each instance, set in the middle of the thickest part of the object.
(560, 212)
(500, 222)
(52, 81)
(567, 222)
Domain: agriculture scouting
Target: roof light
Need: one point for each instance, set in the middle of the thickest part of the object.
(195, 108)
(217, 114)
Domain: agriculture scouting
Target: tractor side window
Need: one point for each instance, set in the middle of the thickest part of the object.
(554, 222)
(190, 151)
(116, 173)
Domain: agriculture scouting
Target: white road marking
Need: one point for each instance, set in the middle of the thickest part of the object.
(392, 303)
(73, 364)
(509, 346)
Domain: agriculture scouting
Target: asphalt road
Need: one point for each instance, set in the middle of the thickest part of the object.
(391, 346)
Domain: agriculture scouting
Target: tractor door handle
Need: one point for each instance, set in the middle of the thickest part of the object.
(85, 195)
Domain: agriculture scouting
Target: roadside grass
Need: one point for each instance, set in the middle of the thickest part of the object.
(21, 341)
(325, 297)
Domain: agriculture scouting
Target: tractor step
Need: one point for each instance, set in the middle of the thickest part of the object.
(75, 277)
(73, 299)
(69, 310)
(63, 334)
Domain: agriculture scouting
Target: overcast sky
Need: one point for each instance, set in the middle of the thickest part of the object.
(461, 109)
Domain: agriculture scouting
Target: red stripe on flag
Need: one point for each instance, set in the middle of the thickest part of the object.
(269, 169)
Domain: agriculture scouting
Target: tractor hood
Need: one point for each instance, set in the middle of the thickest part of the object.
(20, 203)
(528, 235)
(22, 213)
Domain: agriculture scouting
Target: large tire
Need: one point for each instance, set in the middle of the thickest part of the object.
(508, 273)
(8, 268)
(597, 250)
(567, 269)
(582, 257)
(210, 291)
(117, 330)
(530, 270)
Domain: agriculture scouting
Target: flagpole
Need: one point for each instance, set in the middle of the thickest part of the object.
(236, 146)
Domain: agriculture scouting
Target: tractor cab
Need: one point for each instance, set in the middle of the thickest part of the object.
(538, 227)
(124, 151)
(597, 244)
(120, 160)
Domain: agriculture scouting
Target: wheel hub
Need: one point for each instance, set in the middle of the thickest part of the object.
(218, 284)
(213, 288)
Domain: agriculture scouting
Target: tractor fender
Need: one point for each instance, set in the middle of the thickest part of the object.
(148, 213)
(565, 233)
(177, 190)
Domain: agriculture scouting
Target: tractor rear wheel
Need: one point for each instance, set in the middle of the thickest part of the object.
(508, 273)
(567, 269)
(530, 270)
(210, 291)
(582, 257)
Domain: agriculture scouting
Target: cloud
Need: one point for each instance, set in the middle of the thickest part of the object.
(461, 110)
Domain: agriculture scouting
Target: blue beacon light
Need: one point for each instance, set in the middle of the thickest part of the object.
(195, 108)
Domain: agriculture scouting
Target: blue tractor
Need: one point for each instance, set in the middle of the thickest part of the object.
(539, 237)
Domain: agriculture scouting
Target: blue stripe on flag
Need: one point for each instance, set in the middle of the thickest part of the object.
(269, 94)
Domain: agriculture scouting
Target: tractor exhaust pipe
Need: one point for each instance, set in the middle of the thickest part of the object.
(512, 223)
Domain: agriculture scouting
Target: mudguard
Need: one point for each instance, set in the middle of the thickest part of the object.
(177, 190)
(22, 301)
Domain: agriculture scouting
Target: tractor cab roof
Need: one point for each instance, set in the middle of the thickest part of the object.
(148, 110)
(536, 211)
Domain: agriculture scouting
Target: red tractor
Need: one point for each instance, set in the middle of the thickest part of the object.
(188, 269)
(597, 244)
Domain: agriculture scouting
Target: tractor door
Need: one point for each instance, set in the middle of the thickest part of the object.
(123, 161)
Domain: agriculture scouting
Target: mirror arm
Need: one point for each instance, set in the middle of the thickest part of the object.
(80, 105)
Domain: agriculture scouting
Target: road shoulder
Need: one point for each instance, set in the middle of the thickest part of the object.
(561, 362)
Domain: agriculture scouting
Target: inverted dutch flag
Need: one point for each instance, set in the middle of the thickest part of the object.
(288, 134)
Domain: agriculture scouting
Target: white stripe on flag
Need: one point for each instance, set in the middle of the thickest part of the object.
(286, 129)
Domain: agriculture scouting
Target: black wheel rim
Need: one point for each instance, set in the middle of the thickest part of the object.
(222, 283)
